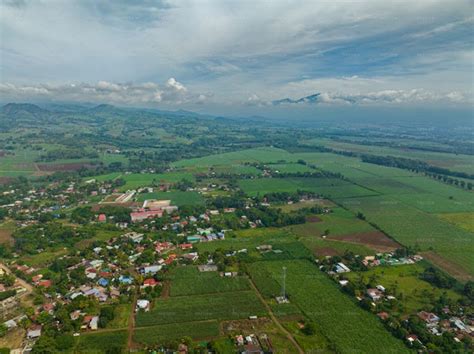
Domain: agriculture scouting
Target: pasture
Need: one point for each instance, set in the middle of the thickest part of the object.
(137, 180)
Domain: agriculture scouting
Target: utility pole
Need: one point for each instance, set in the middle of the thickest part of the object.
(283, 287)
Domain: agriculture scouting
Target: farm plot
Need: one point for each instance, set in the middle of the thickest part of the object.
(462, 220)
(225, 306)
(101, 342)
(329, 187)
(178, 198)
(165, 333)
(375, 240)
(339, 222)
(190, 281)
(321, 301)
(411, 226)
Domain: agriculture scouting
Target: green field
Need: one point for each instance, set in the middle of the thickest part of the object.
(178, 198)
(411, 226)
(190, 281)
(339, 222)
(176, 331)
(101, 342)
(137, 180)
(328, 187)
(349, 328)
(222, 306)
(267, 154)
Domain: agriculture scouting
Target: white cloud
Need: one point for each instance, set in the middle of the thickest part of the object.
(172, 93)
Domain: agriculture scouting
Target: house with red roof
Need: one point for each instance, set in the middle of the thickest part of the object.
(45, 283)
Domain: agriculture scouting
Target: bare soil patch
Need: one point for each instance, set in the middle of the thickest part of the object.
(326, 251)
(5, 180)
(313, 218)
(375, 240)
(450, 267)
(6, 236)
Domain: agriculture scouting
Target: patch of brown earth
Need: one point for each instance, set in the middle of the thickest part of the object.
(326, 251)
(375, 240)
(313, 218)
(448, 266)
(6, 236)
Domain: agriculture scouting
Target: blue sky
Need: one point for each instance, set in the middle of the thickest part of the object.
(238, 56)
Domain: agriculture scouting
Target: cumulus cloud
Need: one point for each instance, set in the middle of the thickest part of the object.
(172, 92)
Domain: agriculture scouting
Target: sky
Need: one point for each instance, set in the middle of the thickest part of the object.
(239, 57)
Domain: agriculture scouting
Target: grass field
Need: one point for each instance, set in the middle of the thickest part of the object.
(225, 306)
(190, 281)
(178, 198)
(321, 301)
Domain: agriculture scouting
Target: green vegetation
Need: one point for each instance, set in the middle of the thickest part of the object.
(321, 301)
(189, 281)
(225, 306)
(168, 332)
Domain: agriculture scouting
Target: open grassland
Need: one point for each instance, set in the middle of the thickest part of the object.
(224, 306)
(404, 279)
(189, 280)
(322, 302)
(175, 331)
(411, 226)
(178, 198)
(101, 342)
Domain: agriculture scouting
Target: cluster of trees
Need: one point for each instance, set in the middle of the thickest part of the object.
(62, 154)
(32, 238)
(437, 278)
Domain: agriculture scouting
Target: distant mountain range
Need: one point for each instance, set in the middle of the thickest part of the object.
(307, 99)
